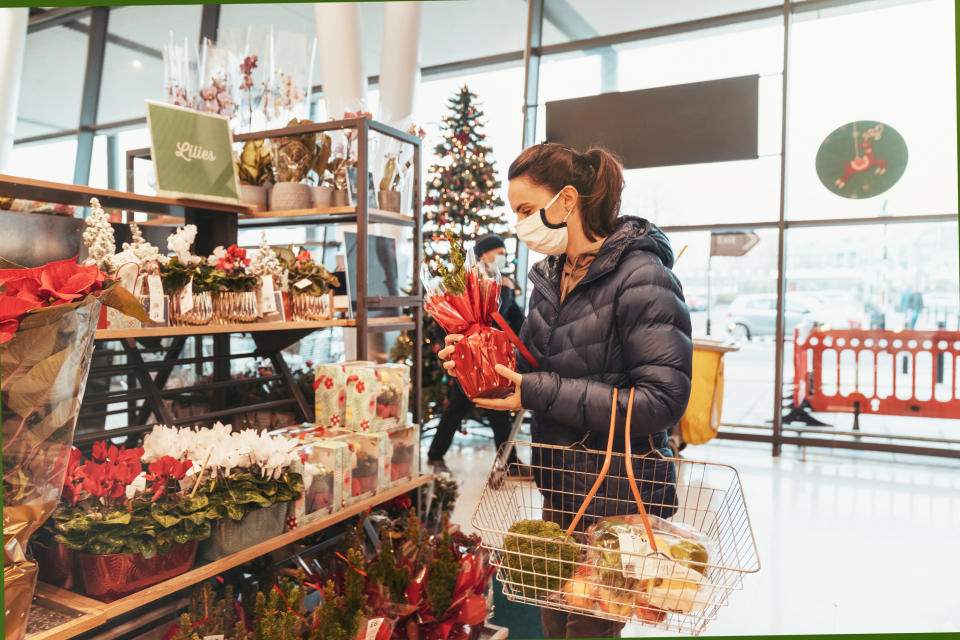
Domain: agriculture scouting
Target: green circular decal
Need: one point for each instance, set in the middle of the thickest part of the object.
(861, 159)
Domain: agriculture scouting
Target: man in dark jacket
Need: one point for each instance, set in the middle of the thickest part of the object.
(488, 248)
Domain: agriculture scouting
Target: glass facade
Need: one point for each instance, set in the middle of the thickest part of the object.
(846, 262)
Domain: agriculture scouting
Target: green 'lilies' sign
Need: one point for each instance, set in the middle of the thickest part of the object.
(192, 154)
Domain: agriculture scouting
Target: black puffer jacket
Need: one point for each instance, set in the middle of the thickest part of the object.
(624, 325)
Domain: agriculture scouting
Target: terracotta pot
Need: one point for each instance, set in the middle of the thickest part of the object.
(110, 577)
(322, 196)
(341, 198)
(254, 195)
(286, 196)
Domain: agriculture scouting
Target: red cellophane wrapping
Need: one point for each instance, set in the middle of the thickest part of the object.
(483, 347)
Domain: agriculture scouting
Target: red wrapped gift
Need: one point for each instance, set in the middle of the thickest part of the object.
(465, 300)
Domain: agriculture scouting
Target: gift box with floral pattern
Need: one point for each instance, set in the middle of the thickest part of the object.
(368, 462)
(393, 399)
(326, 478)
(404, 452)
(329, 384)
(362, 391)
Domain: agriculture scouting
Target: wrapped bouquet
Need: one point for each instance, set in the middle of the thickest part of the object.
(464, 299)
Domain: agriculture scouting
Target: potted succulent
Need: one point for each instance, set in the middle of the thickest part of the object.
(254, 167)
(311, 286)
(130, 524)
(293, 158)
(235, 290)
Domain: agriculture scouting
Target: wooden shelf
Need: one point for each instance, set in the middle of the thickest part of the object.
(253, 327)
(97, 613)
(210, 329)
(43, 191)
(333, 215)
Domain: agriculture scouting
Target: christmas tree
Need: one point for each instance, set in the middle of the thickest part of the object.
(462, 197)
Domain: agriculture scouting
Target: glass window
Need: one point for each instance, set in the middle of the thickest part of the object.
(45, 161)
(452, 31)
(133, 62)
(578, 19)
(689, 194)
(742, 303)
(893, 65)
(54, 64)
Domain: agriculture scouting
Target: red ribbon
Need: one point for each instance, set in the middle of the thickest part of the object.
(513, 338)
(350, 565)
(286, 602)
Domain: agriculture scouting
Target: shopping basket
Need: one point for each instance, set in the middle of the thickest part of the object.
(579, 487)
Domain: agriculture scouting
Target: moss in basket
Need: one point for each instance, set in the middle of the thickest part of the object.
(541, 564)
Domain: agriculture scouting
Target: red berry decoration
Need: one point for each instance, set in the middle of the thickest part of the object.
(360, 386)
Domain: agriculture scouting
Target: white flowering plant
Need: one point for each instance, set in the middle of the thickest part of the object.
(98, 238)
(237, 470)
(184, 265)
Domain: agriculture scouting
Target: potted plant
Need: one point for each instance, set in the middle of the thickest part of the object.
(187, 280)
(293, 158)
(130, 524)
(389, 195)
(235, 290)
(311, 286)
(249, 480)
(271, 276)
(254, 167)
(323, 168)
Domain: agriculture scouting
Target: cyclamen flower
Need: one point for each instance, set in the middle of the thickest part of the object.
(180, 241)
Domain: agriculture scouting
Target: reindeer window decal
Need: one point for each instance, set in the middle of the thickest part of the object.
(861, 159)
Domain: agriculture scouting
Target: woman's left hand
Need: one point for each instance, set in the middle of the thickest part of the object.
(511, 402)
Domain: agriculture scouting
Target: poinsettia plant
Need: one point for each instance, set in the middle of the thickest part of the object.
(115, 503)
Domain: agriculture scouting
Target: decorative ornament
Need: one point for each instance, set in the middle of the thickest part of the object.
(861, 159)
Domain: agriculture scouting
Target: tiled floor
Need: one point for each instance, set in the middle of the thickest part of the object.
(848, 543)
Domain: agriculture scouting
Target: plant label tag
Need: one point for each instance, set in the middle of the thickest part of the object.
(186, 297)
(267, 302)
(216, 637)
(302, 284)
(155, 291)
(373, 627)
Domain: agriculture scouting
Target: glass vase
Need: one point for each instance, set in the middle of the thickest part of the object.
(200, 314)
(235, 306)
(307, 308)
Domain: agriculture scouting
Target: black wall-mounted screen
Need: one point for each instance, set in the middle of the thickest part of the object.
(713, 121)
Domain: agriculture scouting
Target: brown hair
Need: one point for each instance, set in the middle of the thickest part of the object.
(597, 175)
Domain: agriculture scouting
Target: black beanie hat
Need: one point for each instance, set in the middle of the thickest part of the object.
(486, 243)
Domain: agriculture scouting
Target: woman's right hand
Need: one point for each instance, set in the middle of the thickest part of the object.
(445, 353)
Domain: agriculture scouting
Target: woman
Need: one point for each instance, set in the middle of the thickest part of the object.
(606, 312)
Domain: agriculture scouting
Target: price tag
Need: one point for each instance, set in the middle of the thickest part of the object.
(155, 291)
(267, 301)
(302, 284)
(373, 627)
(186, 297)
(216, 637)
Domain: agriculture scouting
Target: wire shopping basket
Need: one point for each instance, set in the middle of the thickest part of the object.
(662, 541)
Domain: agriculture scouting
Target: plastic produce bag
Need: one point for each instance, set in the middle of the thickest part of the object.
(669, 579)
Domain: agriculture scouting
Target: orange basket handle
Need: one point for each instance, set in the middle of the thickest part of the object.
(606, 467)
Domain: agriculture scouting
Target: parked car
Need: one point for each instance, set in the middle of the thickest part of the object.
(756, 315)
(695, 302)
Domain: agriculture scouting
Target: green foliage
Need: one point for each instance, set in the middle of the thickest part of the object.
(445, 494)
(175, 276)
(544, 563)
(455, 276)
(341, 615)
(293, 156)
(145, 527)
(209, 615)
(237, 281)
(442, 575)
(393, 579)
(234, 496)
(301, 266)
(278, 614)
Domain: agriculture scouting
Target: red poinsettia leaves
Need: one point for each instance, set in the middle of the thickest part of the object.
(100, 451)
(25, 288)
(66, 280)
